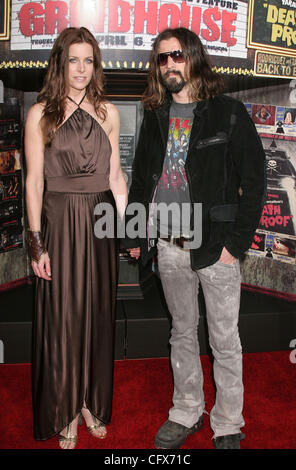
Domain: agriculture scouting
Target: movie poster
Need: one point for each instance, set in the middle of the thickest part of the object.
(276, 234)
(126, 29)
(11, 229)
(272, 25)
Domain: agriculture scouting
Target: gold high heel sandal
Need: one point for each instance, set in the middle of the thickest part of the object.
(68, 438)
(97, 425)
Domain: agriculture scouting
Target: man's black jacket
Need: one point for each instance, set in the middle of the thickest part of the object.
(225, 168)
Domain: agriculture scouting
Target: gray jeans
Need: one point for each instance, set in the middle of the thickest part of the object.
(221, 285)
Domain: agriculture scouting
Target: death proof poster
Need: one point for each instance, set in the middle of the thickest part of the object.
(276, 234)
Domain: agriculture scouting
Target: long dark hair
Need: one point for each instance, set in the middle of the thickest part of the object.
(203, 81)
(54, 90)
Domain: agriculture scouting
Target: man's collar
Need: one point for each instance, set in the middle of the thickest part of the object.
(164, 109)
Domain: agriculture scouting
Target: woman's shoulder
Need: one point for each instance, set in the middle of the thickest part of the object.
(111, 109)
(112, 113)
(35, 112)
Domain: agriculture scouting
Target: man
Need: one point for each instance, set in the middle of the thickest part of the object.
(199, 147)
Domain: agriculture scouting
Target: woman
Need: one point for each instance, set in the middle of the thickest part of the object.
(71, 142)
(289, 117)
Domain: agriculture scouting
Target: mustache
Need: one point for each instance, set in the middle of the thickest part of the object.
(176, 72)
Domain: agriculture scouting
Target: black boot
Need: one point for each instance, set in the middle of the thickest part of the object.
(230, 441)
(173, 435)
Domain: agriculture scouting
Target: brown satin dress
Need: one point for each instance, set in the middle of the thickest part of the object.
(75, 312)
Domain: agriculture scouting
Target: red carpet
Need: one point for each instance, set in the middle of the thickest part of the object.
(142, 396)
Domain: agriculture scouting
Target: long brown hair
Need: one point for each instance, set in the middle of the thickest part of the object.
(203, 81)
(54, 90)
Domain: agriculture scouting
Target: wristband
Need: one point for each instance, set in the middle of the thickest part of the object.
(36, 245)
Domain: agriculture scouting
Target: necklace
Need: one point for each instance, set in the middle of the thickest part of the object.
(77, 104)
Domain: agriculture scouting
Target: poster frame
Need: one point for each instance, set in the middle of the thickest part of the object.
(257, 45)
(5, 34)
(256, 74)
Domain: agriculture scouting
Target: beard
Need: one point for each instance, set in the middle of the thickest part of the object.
(171, 83)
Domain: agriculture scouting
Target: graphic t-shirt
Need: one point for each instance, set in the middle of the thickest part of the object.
(173, 186)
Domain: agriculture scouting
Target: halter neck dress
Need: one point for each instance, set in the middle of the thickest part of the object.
(75, 311)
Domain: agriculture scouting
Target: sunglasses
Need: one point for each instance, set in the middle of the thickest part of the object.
(177, 56)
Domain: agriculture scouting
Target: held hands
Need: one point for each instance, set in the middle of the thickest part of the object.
(134, 252)
(42, 268)
(226, 257)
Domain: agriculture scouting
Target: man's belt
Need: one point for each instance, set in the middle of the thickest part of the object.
(179, 241)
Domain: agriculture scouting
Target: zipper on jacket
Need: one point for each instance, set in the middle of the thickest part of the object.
(189, 177)
(156, 179)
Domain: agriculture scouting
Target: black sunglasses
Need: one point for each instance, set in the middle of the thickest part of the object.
(177, 56)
